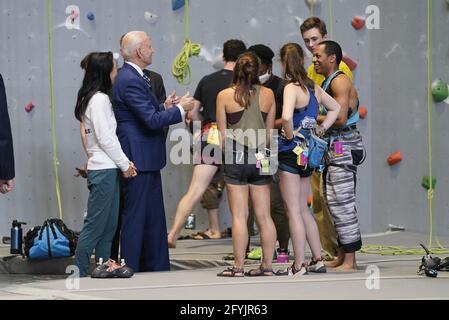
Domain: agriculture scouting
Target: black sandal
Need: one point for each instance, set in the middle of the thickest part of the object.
(232, 272)
(292, 271)
(260, 272)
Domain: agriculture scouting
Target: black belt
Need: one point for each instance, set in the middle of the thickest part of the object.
(334, 131)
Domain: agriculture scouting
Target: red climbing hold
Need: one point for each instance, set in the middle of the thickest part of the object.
(363, 112)
(350, 63)
(394, 158)
(358, 22)
(29, 107)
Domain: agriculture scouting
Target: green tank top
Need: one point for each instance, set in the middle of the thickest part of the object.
(245, 132)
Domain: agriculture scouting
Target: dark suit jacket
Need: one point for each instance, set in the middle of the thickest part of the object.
(157, 84)
(6, 148)
(140, 120)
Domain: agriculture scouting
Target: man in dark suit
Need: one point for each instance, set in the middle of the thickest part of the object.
(6, 147)
(140, 123)
(158, 88)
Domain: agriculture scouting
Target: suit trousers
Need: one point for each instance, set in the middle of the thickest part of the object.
(143, 238)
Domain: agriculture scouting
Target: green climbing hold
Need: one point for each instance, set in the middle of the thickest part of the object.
(426, 182)
(440, 91)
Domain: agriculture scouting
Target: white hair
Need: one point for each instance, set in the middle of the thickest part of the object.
(131, 41)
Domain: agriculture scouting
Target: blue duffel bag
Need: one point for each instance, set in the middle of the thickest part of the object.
(51, 240)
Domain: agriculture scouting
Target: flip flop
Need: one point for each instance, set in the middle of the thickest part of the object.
(202, 235)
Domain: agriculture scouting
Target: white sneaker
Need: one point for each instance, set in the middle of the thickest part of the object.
(316, 266)
(293, 272)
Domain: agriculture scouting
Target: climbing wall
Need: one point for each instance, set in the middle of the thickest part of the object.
(391, 77)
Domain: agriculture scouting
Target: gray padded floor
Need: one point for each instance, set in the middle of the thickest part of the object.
(195, 264)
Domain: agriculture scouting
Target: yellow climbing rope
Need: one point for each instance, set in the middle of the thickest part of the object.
(388, 250)
(181, 68)
(52, 107)
(312, 7)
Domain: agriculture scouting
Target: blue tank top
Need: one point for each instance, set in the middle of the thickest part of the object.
(306, 118)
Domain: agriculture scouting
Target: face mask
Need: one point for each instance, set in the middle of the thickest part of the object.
(264, 78)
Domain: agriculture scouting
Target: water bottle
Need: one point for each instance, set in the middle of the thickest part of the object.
(282, 255)
(16, 237)
(190, 225)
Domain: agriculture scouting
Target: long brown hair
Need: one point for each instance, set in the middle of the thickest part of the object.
(246, 75)
(292, 59)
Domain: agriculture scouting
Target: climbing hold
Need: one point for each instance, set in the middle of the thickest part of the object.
(151, 17)
(426, 182)
(309, 201)
(29, 107)
(90, 16)
(440, 90)
(363, 112)
(351, 63)
(394, 158)
(177, 4)
(358, 22)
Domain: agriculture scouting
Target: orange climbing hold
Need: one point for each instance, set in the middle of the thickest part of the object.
(394, 158)
(309, 201)
(363, 112)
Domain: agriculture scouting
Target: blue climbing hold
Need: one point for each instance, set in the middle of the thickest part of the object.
(90, 15)
(176, 4)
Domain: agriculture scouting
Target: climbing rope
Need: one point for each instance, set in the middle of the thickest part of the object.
(312, 7)
(388, 250)
(52, 106)
(429, 116)
(181, 68)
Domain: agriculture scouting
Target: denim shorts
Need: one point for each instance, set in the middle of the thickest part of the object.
(288, 162)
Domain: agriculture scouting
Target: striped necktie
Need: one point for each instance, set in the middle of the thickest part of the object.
(147, 80)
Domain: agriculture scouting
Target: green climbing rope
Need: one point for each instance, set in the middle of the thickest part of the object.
(387, 250)
(52, 106)
(312, 7)
(181, 68)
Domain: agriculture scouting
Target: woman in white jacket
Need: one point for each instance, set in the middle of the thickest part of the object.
(106, 159)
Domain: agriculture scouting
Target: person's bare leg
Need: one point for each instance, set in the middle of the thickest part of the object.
(290, 188)
(213, 231)
(349, 263)
(312, 233)
(202, 176)
(238, 204)
(260, 196)
(338, 260)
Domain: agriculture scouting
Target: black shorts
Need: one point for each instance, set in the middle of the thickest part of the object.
(288, 161)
